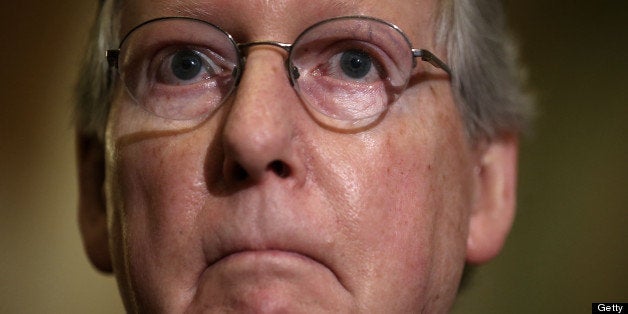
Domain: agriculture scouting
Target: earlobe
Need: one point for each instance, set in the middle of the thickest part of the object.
(494, 209)
(92, 213)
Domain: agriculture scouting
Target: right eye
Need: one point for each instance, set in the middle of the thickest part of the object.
(185, 67)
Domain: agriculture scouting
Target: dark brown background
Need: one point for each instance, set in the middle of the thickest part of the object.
(569, 243)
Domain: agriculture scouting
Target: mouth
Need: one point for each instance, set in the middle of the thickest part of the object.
(266, 257)
(268, 278)
(270, 262)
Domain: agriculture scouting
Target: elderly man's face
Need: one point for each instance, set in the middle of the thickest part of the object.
(261, 208)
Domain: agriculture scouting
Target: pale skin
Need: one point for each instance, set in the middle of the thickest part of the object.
(259, 208)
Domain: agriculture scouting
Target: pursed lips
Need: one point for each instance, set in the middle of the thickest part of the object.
(289, 253)
(261, 254)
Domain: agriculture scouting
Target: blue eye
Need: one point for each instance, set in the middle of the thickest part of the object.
(356, 64)
(186, 65)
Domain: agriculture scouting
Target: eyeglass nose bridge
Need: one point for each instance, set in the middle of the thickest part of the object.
(284, 46)
(293, 72)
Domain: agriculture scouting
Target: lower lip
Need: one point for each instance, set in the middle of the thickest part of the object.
(266, 256)
(268, 264)
(265, 262)
(268, 278)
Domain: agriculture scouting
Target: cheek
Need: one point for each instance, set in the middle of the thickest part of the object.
(405, 194)
(400, 179)
(166, 185)
(399, 201)
(155, 203)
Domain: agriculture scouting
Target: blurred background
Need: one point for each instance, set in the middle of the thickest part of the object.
(568, 246)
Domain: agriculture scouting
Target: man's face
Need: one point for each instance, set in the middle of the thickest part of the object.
(260, 208)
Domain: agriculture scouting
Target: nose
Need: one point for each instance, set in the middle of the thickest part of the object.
(260, 135)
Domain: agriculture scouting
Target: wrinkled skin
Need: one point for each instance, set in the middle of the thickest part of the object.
(259, 208)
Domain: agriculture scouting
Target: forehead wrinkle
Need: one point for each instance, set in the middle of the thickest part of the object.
(242, 18)
(139, 11)
(193, 8)
(281, 20)
(204, 9)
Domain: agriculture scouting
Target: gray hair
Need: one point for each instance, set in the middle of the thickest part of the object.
(487, 80)
(95, 83)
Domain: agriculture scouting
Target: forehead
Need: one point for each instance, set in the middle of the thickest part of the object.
(282, 20)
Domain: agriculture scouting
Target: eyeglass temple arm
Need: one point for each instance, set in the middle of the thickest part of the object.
(112, 57)
(427, 56)
(113, 54)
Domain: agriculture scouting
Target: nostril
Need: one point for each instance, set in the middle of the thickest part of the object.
(279, 168)
(239, 173)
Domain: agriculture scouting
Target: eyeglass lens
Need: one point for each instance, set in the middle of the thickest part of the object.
(348, 69)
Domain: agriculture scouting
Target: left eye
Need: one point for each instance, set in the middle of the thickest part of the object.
(356, 64)
(353, 64)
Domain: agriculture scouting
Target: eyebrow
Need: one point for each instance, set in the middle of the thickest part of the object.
(192, 8)
(208, 10)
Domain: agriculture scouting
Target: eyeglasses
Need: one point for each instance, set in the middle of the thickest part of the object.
(348, 69)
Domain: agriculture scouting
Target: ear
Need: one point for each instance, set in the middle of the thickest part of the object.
(494, 208)
(92, 213)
